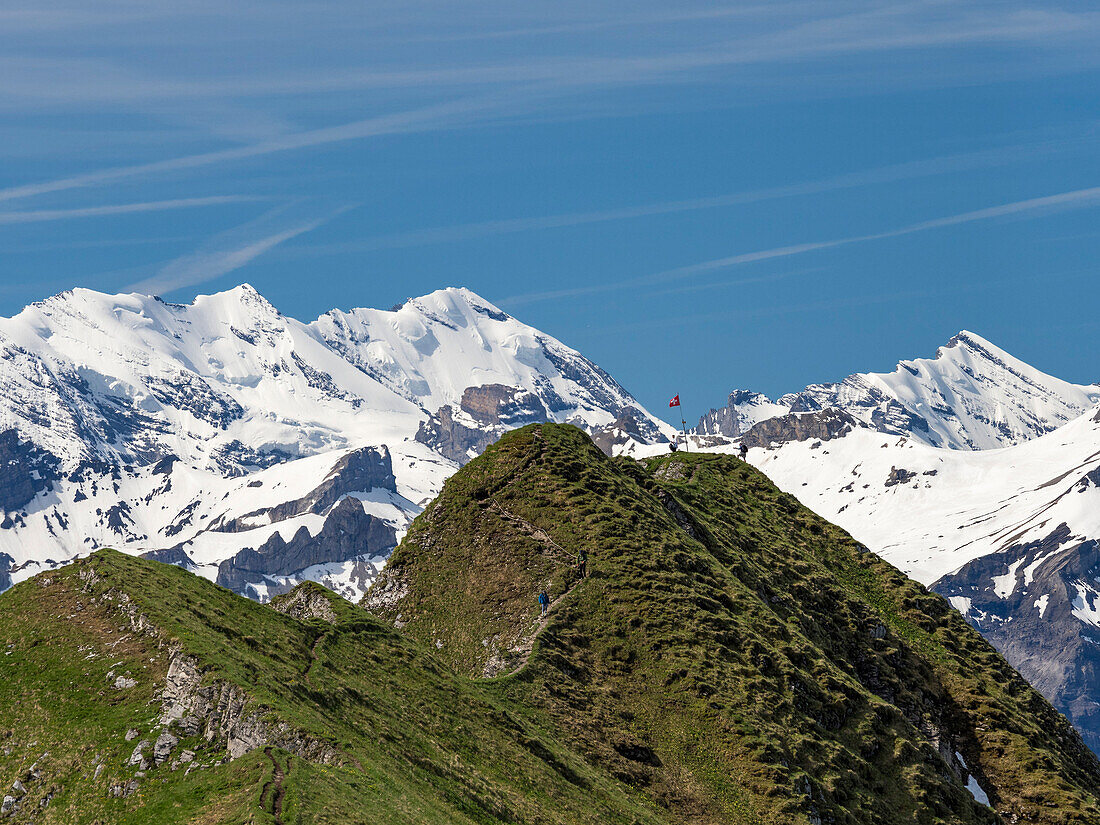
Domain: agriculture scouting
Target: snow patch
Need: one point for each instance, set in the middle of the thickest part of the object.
(1041, 604)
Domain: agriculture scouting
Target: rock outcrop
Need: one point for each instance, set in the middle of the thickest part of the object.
(348, 533)
(484, 413)
(800, 426)
(360, 471)
(25, 471)
(225, 715)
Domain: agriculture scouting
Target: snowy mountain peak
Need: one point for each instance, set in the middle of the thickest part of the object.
(966, 338)
(973, 395)
(457, 302)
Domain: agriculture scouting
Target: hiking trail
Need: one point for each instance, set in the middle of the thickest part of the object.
(275, 786)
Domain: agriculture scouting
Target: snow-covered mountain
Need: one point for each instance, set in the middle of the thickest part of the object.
(250, 446)
(971, 396)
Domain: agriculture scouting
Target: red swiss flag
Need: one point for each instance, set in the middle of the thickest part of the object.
(675, 402)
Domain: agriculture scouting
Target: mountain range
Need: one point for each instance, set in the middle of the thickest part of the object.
(259, 451)
(256, 449)
(971, 396)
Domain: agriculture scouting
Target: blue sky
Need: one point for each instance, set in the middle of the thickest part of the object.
(698, 196)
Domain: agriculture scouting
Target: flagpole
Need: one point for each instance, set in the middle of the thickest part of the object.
(683, 421)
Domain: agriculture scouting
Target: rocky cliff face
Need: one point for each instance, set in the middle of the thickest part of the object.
(221, 713)
(225, 716)
(743, 409)
(348, 534)
(489, 411)
(359, 471)
(799, 426)
(483, 415)
(25, 471)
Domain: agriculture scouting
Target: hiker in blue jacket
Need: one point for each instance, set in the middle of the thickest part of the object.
(544, 601)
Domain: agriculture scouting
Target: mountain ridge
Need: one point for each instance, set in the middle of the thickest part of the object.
(971, 395)
(971, 471)
(704, 548)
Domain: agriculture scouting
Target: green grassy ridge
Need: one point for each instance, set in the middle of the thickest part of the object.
(758, 666)
(417, 743)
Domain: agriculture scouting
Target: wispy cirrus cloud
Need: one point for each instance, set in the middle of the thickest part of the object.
(483, 87)
(422, 119)
(1074, 199)
(779, 33)
(109, 210)
(892, 173)
(236, 247)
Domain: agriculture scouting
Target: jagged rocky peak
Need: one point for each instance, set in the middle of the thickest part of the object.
(973, 395)
(743, 409)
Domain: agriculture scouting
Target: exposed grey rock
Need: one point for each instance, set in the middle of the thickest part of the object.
(348, 532)
(132, 734)
(500, 404)
(453, 439)
(226, 715)
(164, 746)
(8, 806)
(25, 471)
(487, 412)
(1034, 626)
(730, 420)
(387, 591)
(630, 425)
(137, 757)
(307, 601)
(357, 472)
(124, 683)
(800, 426)
(172, 555)
(899, 476)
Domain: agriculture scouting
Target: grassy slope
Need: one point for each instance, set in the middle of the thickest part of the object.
(759, 669)
(418, 743)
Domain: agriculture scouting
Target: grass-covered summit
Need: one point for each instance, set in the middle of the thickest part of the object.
(730, 658)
